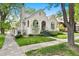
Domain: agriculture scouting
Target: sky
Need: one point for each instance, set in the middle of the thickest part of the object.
(38, 6)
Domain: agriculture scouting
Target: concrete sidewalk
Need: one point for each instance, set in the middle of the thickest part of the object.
(44, 44)
(40, 45)
(10, 47)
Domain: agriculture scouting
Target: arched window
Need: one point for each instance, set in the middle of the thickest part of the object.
(52, 26)
(43, 25)
(35, 23)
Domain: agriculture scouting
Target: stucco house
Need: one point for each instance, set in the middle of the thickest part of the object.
(36, 23)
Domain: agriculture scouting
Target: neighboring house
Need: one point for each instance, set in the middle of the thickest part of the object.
(61, 21)
(61, 24)
(37, 22)
(77, 26)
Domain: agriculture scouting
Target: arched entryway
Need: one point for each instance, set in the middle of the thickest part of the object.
(35, 27)
(43, 25)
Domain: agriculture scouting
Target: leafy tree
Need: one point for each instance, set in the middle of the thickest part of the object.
(61, 27)
(30, 10)
(6, 25)
(5, 9)
(69, 23)
(59, 14)
(76, 16)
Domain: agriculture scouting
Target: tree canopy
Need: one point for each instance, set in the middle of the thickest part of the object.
(5, 9)
(76, 12)
(30, 10)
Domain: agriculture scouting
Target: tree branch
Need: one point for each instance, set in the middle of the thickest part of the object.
(64, 15)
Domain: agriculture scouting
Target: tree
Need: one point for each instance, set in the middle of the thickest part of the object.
(76, 8)
(5, 9)
(6, 25)
(30, 10)
(68, 22)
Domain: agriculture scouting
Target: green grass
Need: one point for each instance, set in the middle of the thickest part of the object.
(60, 49)
(77, 40)
(54, 33)
(32, 40)
(64, 36)
(61, 35)
(76, 34)
(1, 40)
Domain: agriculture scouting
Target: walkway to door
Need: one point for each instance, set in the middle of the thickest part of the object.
(10, 47)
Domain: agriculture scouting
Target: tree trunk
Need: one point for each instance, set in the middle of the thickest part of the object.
(2, 19)
(69, 23)
(2, 30)
(70, 36)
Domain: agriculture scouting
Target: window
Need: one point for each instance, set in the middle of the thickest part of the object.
(52, 26)
(43, 25)
(28, 23)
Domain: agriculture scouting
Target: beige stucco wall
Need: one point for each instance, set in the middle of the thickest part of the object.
(39, 17)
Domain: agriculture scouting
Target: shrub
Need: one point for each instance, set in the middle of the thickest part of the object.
(18, 35)
(36, 35)
(62, 36)
(61, 27)
(31, 35)
(55, 33)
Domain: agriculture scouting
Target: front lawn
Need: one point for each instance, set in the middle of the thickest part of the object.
(62, 35)
(60, 49)
(1, 40)
(77, 40)
(76, 33)
(32, 40)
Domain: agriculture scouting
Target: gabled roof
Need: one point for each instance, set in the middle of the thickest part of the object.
(52, 17)
(38, 11)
